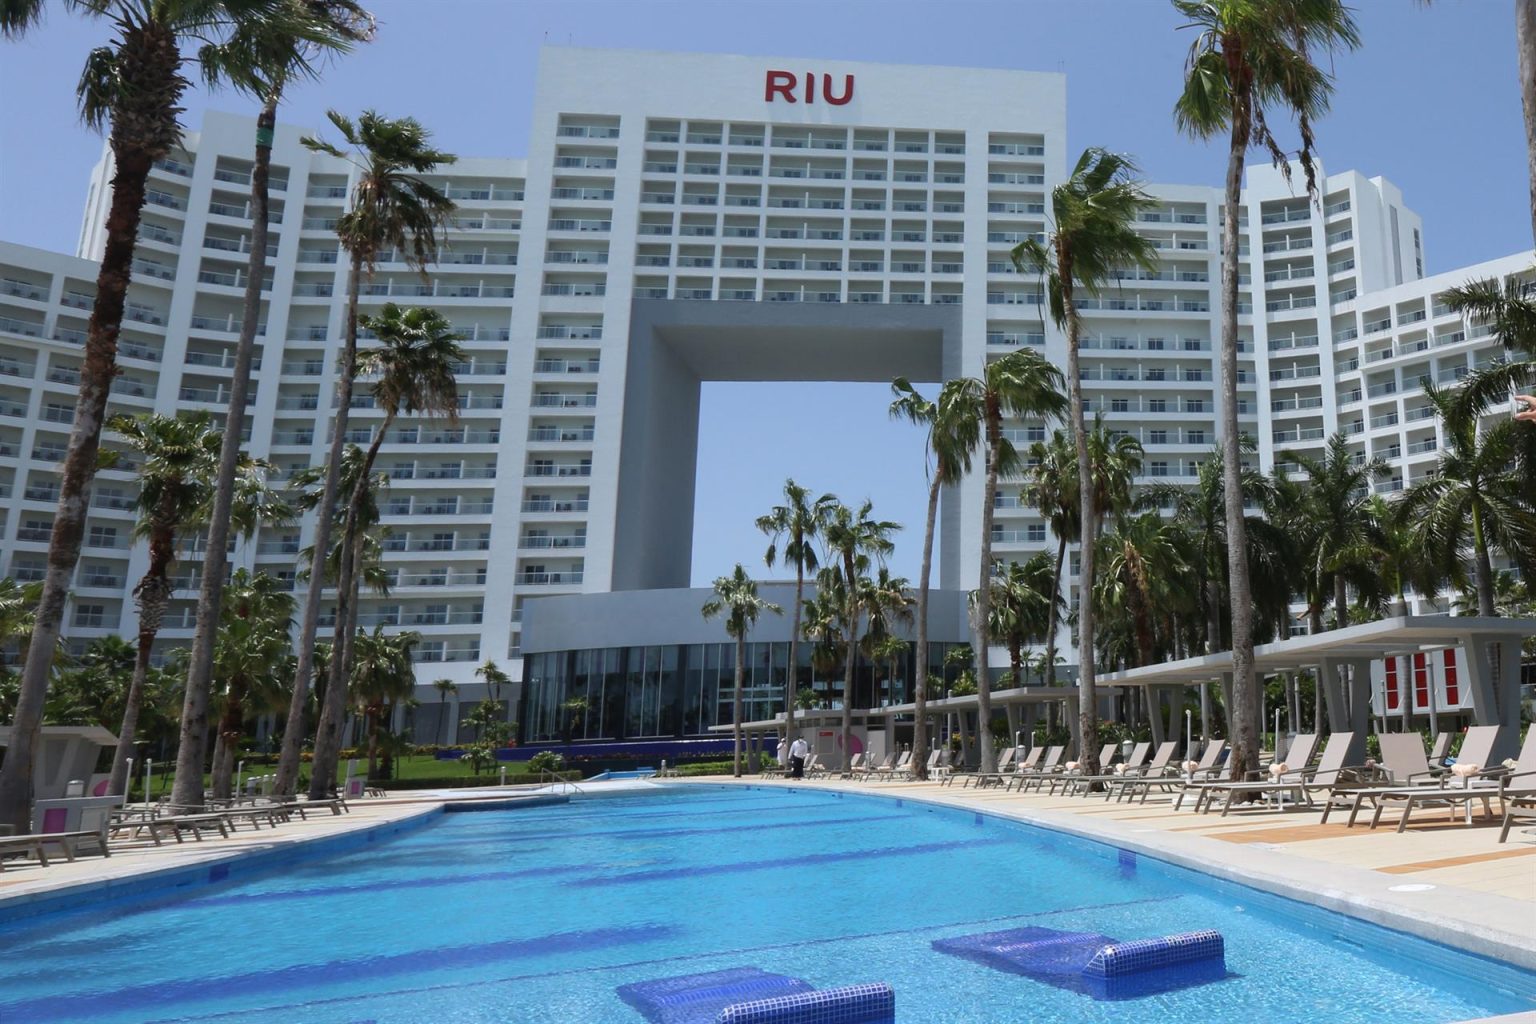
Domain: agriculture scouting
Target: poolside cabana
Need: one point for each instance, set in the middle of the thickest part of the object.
(762, 735)
(1341, 661)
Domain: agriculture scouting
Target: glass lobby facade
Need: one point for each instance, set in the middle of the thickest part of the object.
(676, 691)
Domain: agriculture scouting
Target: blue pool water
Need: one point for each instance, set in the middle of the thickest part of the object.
(540, 914)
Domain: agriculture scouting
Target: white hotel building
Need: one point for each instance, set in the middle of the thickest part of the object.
(682, 218)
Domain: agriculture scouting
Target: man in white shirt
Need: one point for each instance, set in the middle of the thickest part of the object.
(798, 752)
(782, 753)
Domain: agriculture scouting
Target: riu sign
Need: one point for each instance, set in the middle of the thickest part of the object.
(793, 88)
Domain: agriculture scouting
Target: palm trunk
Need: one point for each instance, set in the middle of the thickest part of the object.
(920, 666)
(1087, 690)
(293, 734)
(741, 679)
(1525, 41)
(794, 657)
(215, 558)
(153, 595)
(851, 632)
(97, 370)
(984, 594)
(373, 712)
(327, 737)
(1053, 620)
(1482, 567)
(1340, 602)
(1245, 693)
(231, 725)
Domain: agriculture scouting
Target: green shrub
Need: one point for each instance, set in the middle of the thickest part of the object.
(546, 761)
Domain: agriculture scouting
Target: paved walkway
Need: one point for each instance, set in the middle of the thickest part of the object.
(1439, 879)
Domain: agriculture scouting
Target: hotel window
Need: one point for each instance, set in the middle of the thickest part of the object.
(1035, 532)
(1157, 405)
(90, 614)
(1157, 437)
(1158, 468)
(1119, 405)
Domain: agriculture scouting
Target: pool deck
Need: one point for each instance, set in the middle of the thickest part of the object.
(1481, 895)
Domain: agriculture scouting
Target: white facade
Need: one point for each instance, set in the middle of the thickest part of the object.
(687, 178)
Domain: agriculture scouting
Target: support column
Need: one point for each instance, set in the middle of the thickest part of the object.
(1333, 696)
(1493, 671)
(1205, 710)
(1359, 692)
(1155, 714)
(1074, 726)
(1012, 711)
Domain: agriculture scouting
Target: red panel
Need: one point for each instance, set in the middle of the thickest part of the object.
(1421, 680)
(1452, 684)
(1391, 684)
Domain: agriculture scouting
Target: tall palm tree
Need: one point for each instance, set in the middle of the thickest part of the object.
(1473, 502)
(413, 369)
(951, 441)
(1508, 310)
(393, 208)
(135, 84)
(796, 523)
(1249, 59)
(1115, 458)
(1092, 239)
(856, 541)
(1020, 385)
(261, 58)
(179, 460)
(736, 598)
(1525, 43)
(252, 657)
(1335, 525)
(445, 688)
(1052, 489)
(382, 674)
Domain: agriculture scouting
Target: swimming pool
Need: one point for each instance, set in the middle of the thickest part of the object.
(539, 914)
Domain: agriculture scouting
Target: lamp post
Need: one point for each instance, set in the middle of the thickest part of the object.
(1189, 733)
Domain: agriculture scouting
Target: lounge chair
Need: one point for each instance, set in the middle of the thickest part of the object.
(855, 766)
(1485, 786)
(1441, 749)
(1073, 783)
(1045, 768)
(887, 770)
(1403, 758)
(1209, 763)
(1331, 774)
(1160, 766)
(868, 769)
(1004, 760)
(1297, 760)
(1021, 763)
(70, 843)
(814, 769)
(933, 765)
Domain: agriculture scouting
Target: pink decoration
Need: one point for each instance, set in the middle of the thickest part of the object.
(1279, 768)
(1190, 766)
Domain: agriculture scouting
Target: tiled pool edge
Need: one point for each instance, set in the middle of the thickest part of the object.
(1266, 871)
(92, 893)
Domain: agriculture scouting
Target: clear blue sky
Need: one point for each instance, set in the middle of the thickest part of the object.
(1430, 102)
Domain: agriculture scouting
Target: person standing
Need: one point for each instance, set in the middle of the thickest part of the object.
(782, 754)
(798, 751)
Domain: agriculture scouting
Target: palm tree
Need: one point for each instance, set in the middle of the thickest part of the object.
(1142, 566)
(382, 674)
(393, 209)
(1092, 239)
(952, 440)
(887, 601)
(1115, 457)
(1249, 58)
(736, 598)
(494, 678)
(856, 542)
(135, 84)
(797, 523)
(1508, 310)
(1052, 489)
(1023, 606)
(413, 370)
(445, 688)
(252, 657)
(822, 622)
(179, 460)
(1021, 385)
(261, 57)
(1336, 523)
(1474, 500)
